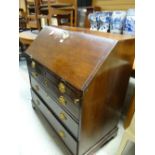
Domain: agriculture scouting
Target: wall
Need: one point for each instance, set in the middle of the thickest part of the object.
(22, 4)
(114, 4)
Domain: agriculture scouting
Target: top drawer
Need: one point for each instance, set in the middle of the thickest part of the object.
(63, 86)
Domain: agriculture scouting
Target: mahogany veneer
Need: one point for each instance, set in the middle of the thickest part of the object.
(78, 82)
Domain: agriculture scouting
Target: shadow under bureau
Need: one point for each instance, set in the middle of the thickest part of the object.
(78, 81)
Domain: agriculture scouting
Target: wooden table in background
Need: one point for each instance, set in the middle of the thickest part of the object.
(27, 37)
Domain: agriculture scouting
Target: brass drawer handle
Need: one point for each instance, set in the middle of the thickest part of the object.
(62, 87)
(61, 134)
(34, 74)
(36, 87)
(62, 100)
(33, 64)
(76, 101)
(62, 116)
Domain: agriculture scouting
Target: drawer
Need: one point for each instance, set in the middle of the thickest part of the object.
(59, 112)
(60, 130)
(62, 86)
(59, 86)
(52, 80)
(61, 89)
(63, 100)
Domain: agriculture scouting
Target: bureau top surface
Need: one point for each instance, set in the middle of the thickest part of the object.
(73, 55)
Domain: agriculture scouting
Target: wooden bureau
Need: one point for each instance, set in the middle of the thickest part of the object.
(78, 82)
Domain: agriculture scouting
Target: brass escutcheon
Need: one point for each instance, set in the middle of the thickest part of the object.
(34, 74)
(33, 64)
(62, 100)
(61, 134)
(62, 116)
(76, 101)
(61, 87)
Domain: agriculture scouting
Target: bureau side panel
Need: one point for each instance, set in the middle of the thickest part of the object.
(103, 98)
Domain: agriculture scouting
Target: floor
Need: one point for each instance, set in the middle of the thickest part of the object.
(37, 137)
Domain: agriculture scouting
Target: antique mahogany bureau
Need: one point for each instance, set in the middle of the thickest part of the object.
(78, 82)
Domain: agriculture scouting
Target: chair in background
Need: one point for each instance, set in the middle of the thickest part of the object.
(63, 9)
(32, 12)
(22, 20)
(63, 17)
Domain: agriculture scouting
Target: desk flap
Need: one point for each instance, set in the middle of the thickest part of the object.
(74, 56)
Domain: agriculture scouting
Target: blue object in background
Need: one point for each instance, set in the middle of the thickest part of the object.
(117, 21)
(114, 22)
(129, 24)
(100, 21)
(93, 21)
(104, 21)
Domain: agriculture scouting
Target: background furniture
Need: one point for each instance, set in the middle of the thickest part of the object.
(82, 111)
(44, 10)
(22, 20)
(129, 125)
(133, 70)
(32, 15)
(114, 4)
(25, 39)
(65, 7)
(62, 14)
(130, 113)
(83, 13)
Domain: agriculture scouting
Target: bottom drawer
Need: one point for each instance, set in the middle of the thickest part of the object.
(65, 136)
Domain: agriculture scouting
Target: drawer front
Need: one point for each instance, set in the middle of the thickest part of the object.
(62, 86)
(60, 113)
(55, 80)
(63, 100)
(64, 135)
(56, 88)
